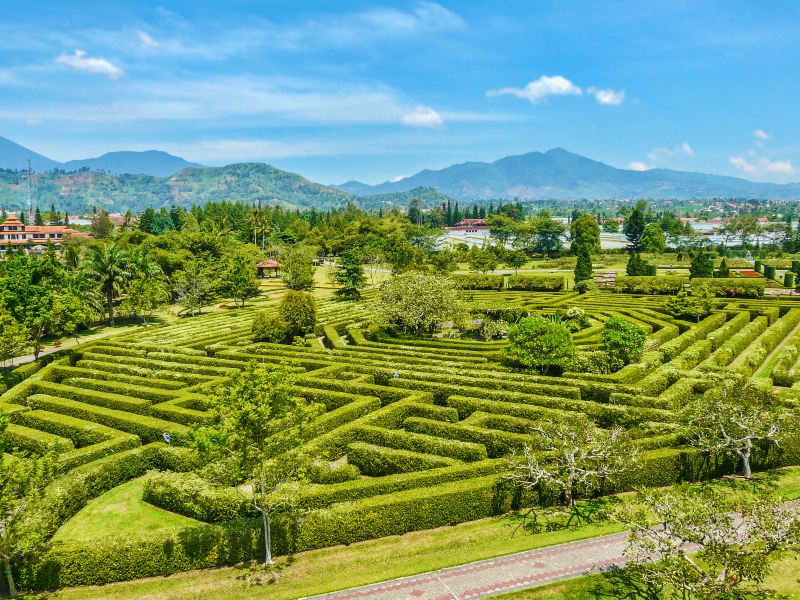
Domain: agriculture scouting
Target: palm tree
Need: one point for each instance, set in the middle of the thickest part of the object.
(108, 266)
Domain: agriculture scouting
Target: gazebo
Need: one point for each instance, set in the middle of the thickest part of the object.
(267, 265)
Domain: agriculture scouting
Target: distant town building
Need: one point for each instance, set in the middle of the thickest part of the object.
(34, 238)
(470, 225)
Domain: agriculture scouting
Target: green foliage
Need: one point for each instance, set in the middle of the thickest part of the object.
(623, 341)
(350, 275)
(482, 259)
(420, 304)
(652, 239)
(733, 287)
(633, 227)
(268, 327)
(636, 267)
(297, 268)
(583, 266)
(473, 281)
(239, 276)
(586, 285)
(585, 234)
(298, 311)
(695, 306)
(724, 271)
(650, 285)
(540, 343)
(536, 283)
(702, 265)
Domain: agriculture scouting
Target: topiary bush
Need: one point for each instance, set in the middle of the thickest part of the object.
(268, 327)
(299, 311)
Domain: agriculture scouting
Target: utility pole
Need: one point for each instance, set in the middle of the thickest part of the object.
(30, 193)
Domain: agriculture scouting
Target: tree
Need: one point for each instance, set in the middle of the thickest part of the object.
(106, 264)
(652, 239)
(298, 311)
(724, 271)
(611, 226)
(636, 266)
(501, 227)
(702, 264)
(695, 306)
(101, 225)
(734, 419)
(350, 275)
(583, 266)
(548, 234)
(239, 279)
(13, 338)
(444, 261)
(297, 268)
(515, 259)
(579, 459)
(22, 483)
(704, 543)
(267, 327)
(258, 422)
(419, 304)
(585, 232)
(482, 259)
(193, 286)
(634, 226)
(541, 343)
(37, 217)
(623, 341)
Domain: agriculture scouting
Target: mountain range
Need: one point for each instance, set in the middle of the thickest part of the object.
(559, 174)
(150, 162)
(119, 181)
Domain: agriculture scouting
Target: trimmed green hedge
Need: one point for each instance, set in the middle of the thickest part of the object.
(661, 284)
(732, 287)
(473, 281)
(537, 283)
(376, 461)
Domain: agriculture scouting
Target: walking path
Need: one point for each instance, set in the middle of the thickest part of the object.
(69, 343)
(497, 575)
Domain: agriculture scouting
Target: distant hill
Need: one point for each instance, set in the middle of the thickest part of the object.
(150, 162)
(14, 156)
(559, 174)
(246, 183)
(428, 196)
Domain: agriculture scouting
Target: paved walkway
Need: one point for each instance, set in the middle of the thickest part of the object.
(498, 575)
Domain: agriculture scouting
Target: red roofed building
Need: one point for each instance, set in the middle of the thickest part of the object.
(14, 233)
(470, 225)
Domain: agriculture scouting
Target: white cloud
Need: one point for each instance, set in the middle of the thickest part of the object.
(215, 150)
(762, 166)
(398, 178)
(761, 134)
(83, 62)
(637, 165)
(608, 97)
(663, 153)
(422, 116)
(147, 40)
(537, 91)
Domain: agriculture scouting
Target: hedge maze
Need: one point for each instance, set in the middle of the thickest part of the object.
(415, 431)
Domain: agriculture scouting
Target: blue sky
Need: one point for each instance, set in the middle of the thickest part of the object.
(340, 90)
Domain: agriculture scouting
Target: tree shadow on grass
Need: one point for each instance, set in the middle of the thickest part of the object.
(557, 518)
(256, 574)
(624, 583)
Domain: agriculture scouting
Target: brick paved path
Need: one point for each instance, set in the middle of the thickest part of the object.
(497, 575)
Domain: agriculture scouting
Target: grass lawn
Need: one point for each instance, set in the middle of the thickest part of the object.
(121, 511)
(785, 579)
(329, 569)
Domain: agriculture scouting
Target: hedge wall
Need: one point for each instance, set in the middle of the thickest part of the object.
(662, 284)
(536, 283)
(738, 287)
(473, 281)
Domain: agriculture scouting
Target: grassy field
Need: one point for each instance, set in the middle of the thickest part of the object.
(121, 511)
(365, 562)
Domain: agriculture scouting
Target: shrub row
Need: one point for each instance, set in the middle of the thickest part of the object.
(376, 461)
(536, 283)
(662, 284)
(732, 287)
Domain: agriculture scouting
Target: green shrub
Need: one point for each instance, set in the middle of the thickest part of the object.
(299, 311)
(668, 284)
(733, 287)
(474, 281)
(536, 283)
(269, 327)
